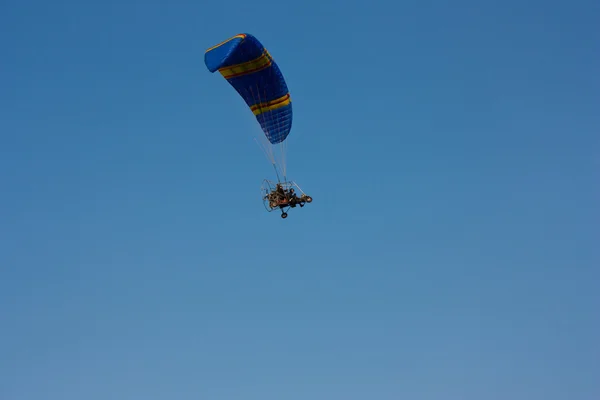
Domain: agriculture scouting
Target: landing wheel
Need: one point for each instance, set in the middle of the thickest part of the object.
(308, 199)
(284, 215)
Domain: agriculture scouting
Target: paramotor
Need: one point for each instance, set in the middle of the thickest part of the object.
(249, 68)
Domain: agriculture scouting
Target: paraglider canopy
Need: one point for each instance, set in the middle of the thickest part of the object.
(249, 68)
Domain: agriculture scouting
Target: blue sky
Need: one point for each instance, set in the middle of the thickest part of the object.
(450, 252)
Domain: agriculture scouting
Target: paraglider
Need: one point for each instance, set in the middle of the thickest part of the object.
(251, 70)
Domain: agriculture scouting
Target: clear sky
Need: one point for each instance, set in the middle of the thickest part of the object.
(451, 251)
